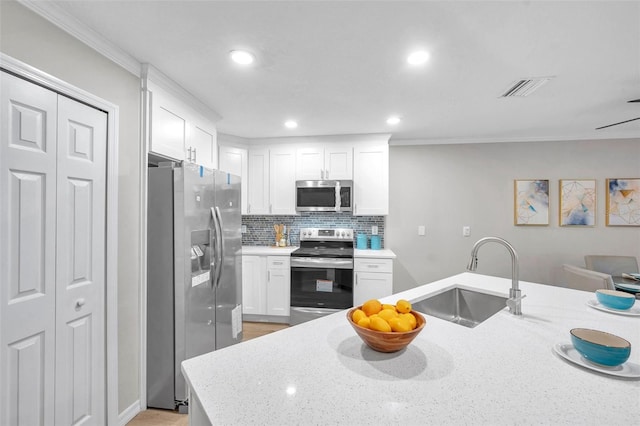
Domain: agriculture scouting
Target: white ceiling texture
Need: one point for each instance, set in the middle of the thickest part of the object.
(339, 67)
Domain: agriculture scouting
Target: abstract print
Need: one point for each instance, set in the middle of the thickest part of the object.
(531, 202)
(577, 203)
(623, 202)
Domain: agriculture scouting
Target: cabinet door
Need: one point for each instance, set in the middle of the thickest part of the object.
(202, 142)
(338, 162)
(282, 180)
(254, 269)
(371, 285)
(234, 160)
(278, 286)
(310, 163)
(371, 180)
(258, 182)
(168, 126)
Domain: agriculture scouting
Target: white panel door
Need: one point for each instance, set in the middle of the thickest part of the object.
(234, 161)
(371, 180)
(202, 142)
(258, 185)
(338, 162)
(310, 163)
(27, 252)
(282, 180)
(254, 280)
(80, 274)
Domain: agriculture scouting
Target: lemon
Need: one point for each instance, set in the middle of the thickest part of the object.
(372, 306)
(400, 324)
(387, 314)
(357, 315)
(379, 324)
(411, 319)
(403, 306)
(364, 322)
(387, 306)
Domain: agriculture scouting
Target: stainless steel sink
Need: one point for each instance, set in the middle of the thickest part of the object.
(461, 306)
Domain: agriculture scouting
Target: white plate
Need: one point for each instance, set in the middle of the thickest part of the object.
(568, 352)
(629, 287)
(634, 311)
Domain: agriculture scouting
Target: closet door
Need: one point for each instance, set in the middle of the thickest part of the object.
(80, 274)
(27, 251)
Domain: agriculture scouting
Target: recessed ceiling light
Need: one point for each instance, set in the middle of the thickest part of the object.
(418, 57)
(290, 124)
(393, 120)
(242, 57)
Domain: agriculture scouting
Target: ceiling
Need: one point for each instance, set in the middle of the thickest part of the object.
(339, 67)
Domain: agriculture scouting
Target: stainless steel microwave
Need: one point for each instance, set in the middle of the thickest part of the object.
(324, 195)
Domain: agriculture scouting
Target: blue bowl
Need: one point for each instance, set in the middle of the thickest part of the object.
(615, 299)
(600, 347)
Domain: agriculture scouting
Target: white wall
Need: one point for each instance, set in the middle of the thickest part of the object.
(445, 187)
(27, 37)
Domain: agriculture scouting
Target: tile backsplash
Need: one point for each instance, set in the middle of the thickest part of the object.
(260, 228)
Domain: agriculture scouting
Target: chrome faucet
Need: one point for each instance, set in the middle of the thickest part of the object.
(515, 298)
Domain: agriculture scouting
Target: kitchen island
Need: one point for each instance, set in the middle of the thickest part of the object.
(504, 371)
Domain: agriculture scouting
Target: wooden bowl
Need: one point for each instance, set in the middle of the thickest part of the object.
(382, 341)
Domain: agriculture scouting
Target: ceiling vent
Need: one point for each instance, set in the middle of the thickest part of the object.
(525, 87)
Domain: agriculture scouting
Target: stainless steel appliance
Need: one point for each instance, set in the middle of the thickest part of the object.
(324, 195)
(194, 289)
(321, 274)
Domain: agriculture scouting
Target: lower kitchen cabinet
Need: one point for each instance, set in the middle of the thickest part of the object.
(373, 279)
(266, 286)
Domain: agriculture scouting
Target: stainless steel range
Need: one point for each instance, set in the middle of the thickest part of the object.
(321, 274)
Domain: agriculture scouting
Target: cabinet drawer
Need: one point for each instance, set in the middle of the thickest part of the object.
(278, 262)
(373, 265)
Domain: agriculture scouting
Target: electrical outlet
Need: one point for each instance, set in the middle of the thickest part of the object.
(421, 230)
(466, 231)
(374, 230)
(243, 229)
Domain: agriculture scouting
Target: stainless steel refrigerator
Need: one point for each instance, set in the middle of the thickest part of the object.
(194, 267)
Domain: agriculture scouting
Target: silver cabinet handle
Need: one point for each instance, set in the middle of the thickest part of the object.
(80, 302)
(268, 276)
(194, 155)
(372, 266)
(326, 174)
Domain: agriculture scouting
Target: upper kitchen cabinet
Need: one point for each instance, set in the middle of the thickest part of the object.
(329, 161)
(282, 180)
(371, 179)
(177, 126)
(271, 180)
(235, 160)
(258, 181)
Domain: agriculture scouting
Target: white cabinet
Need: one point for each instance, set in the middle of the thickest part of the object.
(254, 284)
(282, 180)
(373, 279)
(371, 179)
(258, 181)
(278, 285)
(235, 161)
(330, 161)
(201, 143)
(177, 131)
(271, 181)
(266, 285)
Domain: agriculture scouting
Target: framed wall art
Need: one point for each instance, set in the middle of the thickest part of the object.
(577, 202)
(623, 202)
(531, 202)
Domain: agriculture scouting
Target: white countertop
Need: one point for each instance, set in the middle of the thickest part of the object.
(502, 371)
(286, 251)
(380, 254)
(268, 250)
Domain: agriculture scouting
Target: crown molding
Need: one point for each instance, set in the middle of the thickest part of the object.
(460, 141)
(59, 17)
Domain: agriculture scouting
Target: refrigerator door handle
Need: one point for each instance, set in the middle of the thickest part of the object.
(219, 245)
(216, 250)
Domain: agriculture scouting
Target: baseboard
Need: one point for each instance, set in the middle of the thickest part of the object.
(127, 415)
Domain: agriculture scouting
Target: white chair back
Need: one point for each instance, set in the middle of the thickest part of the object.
(612, 265)
(586, 280)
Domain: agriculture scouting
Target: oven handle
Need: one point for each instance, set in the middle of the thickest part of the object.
(321, 262)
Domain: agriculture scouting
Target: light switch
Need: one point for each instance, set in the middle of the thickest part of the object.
(374, 230)
(421, 230)
(466, 231)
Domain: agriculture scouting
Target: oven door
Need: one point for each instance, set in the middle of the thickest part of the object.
(321, 282)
